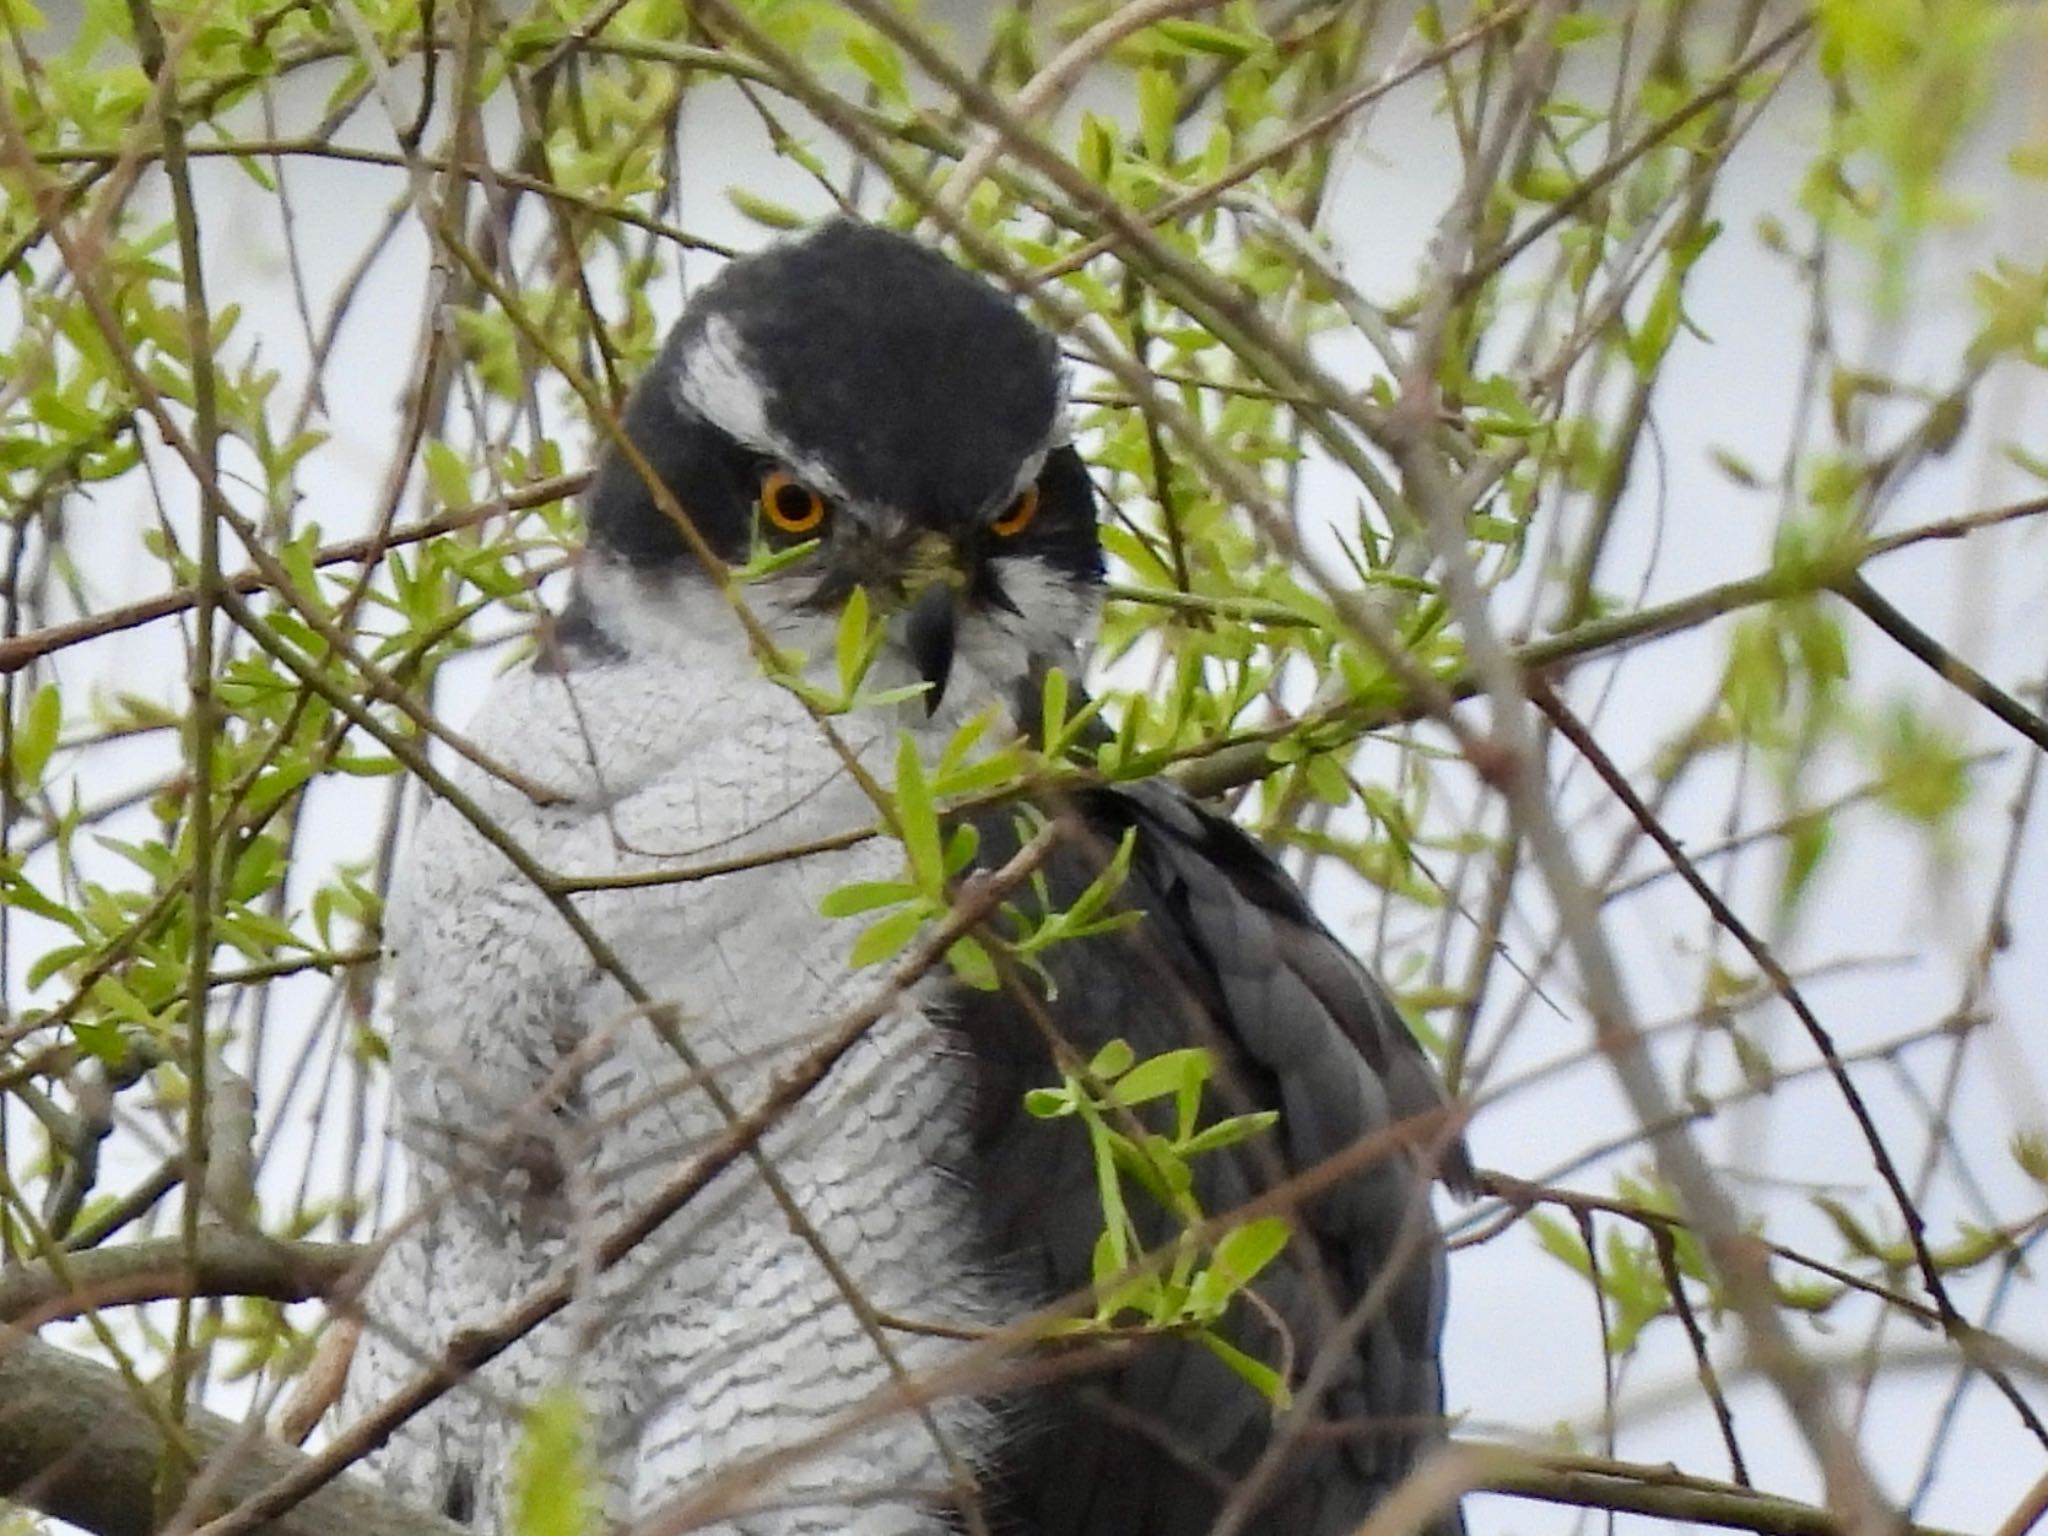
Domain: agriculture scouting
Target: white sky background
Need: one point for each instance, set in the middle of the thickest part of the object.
(1523, 1343)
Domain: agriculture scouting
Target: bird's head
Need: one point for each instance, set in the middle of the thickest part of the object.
(854, 389)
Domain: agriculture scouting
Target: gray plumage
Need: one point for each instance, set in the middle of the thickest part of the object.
(727, 1375)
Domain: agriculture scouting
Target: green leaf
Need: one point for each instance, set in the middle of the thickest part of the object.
(956, 775)
(1649, 342)
(1566, 31)
(1164, 1177)
(2030, 1151)
(961, 847)
(1053, 708)
(447, 475)
(35, 736)
(1095, 152)
(766, 562)
(1976, 1245)
(1326, 780)
(1078, 918)
(53, 962)
(1228, 1133)
(1049, 1103)
(882, 65)
(918, 819)
(1057, 731)
(1116, 1217)
(762, 210)
(1220, 42)
(1562, 1243)
(1257, 1372)
(865, 896)
(886, 696)
(1244, 1251)
(970, 962)
(16, 890)
(100, 1039)
(1160, 1075)
(1925, 773)
(551, 1482)
(1808, 836)
(1158, 109)
(118, 998)
(1106, 1262)
(1546, 184)
(851, 649)
(1112, 1061)
(262, 862)
(277, 783)
(887, 936)
(1850, 1228)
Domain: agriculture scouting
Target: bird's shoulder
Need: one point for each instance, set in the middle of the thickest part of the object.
(1224, 951)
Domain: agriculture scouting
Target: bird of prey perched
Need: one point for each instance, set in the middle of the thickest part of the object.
(813, 1343)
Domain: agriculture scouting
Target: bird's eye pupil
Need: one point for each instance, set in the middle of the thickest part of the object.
(789, 504)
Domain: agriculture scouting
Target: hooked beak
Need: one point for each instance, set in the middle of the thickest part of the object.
(929, 629)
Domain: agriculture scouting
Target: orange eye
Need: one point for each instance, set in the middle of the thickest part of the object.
(789, 504)
(1019, 514)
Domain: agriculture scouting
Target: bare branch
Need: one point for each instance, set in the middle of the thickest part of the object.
(221, 1263)
(74, 1445)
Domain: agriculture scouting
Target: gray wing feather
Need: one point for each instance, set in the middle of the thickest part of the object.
(1228, 956)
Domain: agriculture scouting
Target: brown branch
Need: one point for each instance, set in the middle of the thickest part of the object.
(1592, 1483)
(1951, 668)
(1510, 762)
(1953, 1323)
(1522, 1194)
(232, 1264)
(18, 651)
(1048, 90)
(1695, 1336)
(1318, 122)
(223, 1263)
(75, 1445)
(1470, 282)
(2028, 1512)
(1231, 763)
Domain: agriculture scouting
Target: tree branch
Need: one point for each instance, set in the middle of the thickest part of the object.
(19, 650)
(75, 1445)
(1951, 668)
(223, 1263)
(1587, 1482)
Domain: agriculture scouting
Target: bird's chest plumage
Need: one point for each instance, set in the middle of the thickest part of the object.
(542, 1104)
(662, 777)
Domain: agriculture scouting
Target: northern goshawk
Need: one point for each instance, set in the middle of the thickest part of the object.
(822, 1351)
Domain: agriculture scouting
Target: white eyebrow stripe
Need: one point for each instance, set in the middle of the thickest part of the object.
(1027, 473)
(717, 382)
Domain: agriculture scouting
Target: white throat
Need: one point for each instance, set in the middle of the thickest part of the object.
(678, 613)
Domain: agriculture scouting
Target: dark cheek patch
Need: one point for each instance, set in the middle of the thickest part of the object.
(989, 593)
(711, 477)
(1064, 533)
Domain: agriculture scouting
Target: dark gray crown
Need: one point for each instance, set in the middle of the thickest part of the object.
(915, 384)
